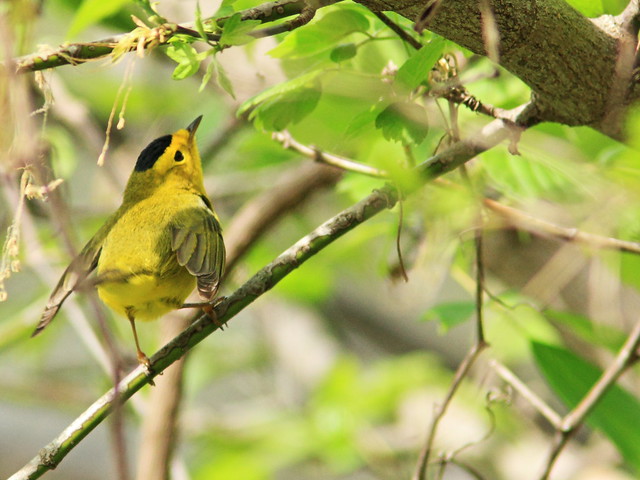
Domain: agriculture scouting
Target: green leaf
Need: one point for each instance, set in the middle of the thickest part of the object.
(225, 9)
(277, 113)
(361, 121)
(343, 52)
(222, 78)
(450, 314)
(92, 12)
(617, 414)
(216, 71)
(280, 89)
(415, 70)
(199, 25)
(321, 35)
(235, 31)
(208, 74)
(404, 122)
(187, 58)
(592, 332)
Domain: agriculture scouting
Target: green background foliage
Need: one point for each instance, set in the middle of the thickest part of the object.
(334, 373)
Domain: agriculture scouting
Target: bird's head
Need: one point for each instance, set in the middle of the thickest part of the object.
(170, 159)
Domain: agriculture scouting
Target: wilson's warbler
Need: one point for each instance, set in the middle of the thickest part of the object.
(163, 240)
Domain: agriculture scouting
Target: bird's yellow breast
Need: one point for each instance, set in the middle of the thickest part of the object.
(138, 272)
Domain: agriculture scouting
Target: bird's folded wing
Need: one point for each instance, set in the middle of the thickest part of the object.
(196, 238)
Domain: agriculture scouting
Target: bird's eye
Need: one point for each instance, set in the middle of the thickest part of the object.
(178, 157)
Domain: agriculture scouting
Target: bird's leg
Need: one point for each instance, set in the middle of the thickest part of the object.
(142, 358)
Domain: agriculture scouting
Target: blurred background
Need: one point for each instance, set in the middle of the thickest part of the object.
(335, 373)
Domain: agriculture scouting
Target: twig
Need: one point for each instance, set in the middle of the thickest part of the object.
(158, 432)
(490, 34)
(290, 143)
(538, 403)
(463, 369)
(398, 30)
(542, 227)
(429, 11)
(80, 52)
(306, 15)
(401, 266)
(480, 288)
(440, 410)
(459, 94)
(626, 357)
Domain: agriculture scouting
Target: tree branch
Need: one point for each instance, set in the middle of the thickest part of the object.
(80, 52)
(53, 453)
(537, 226)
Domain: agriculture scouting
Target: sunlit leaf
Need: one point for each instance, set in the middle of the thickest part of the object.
(321, 35)
(277, 113)
(301, 82)
(531, 174)
(236, 31)
(416, 69)
(187, 58)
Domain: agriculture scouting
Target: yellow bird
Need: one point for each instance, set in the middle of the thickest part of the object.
(163, 240)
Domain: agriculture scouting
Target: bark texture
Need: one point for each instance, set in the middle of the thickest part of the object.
(580, 69)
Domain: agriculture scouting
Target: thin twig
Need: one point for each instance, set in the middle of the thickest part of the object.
(471, 356)
(290, 143)
(538, 403)
(401, 265)
(542, 227)
(459, 94)
(480, 288)
(80, 52)
(398, 30)
(440, 410)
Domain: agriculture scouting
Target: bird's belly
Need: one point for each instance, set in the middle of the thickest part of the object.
(147, 296)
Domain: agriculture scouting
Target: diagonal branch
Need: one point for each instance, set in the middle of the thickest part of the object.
(80, 52)
(53, 453)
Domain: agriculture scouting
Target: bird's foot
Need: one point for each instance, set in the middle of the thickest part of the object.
(146, 364)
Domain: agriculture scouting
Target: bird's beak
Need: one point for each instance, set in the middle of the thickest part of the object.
(193, 126)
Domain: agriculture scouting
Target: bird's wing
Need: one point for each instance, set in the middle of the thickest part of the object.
(76, 272)
(196, 237)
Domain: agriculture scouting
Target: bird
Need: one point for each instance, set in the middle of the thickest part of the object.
(163, 240)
